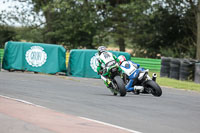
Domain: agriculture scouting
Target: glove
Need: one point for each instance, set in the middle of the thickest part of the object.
(100, 72)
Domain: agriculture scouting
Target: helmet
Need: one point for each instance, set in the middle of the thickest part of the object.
(101, 49)
(121, 58)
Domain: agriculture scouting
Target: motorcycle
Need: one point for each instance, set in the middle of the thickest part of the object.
(114, 75)
(141, 81)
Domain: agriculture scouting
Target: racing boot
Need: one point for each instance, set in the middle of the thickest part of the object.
(108, 84)
(138, 89)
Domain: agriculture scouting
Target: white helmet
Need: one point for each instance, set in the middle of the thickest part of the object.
(101, 49)
(121, 58)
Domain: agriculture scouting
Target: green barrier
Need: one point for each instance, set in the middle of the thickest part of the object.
(83, 63)
(36, 57)
(1, 55)
(0, 59)
(148, 63)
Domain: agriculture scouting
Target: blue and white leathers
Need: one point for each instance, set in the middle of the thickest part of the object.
(132, 70)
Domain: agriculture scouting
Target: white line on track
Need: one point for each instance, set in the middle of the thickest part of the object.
(111, 125)
(100, 122)
(22, 101)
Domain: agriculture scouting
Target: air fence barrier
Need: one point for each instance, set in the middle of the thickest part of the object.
(83, 62)
(34, 57)
(180, 69)
(147, 63)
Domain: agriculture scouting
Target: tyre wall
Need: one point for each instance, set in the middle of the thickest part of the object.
(197, 73)
(165, 66)
(187, 68)
(174, 68)
(180, 69)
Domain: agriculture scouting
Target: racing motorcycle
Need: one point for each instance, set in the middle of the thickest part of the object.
(141, 81)
(116, 83)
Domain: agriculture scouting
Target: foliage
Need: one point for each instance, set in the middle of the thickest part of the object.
(152, 27)
(168, 33)
(70, 23)
(124, 18)
(29, 34)
(7, 33)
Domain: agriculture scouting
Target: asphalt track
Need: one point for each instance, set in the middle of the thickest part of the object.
(176, 111)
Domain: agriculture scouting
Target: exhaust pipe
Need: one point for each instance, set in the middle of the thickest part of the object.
(154, 76)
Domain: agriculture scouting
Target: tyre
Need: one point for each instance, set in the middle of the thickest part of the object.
(153, 87)
(125, 78)
(164, 72)
(120, 85)
(197, 73)
(186, 70)
(174, 68)
(174, 75)
(165, 66)
(165, 61)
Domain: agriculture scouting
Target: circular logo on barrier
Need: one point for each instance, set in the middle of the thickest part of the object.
(35, 56)
(94, 62)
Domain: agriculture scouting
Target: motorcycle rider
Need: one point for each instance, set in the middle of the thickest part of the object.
(133, 70)
(103, 58)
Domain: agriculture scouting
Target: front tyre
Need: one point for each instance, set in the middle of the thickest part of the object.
(153, 87)
(120, 85)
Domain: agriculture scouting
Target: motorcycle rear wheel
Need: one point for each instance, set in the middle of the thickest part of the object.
(153, 87)
(120, 85)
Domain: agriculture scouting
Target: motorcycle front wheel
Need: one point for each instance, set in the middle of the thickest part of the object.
(120, 87)
(152, 87)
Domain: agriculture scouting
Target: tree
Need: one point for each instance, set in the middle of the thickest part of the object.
(198, 32)
(71, 23)
(186, 11)
(124, 18)
(7, 33)
(142, 25)
(170, 30)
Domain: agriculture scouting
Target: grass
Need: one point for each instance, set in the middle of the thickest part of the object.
(173, 83)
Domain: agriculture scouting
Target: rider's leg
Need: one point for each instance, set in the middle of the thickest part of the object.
(104, 77)
(132, 77)
(107, 82)
(129, 85)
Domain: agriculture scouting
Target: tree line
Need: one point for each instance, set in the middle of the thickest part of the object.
(150, 27)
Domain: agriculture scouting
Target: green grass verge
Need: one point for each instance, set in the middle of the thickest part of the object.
(173, 83)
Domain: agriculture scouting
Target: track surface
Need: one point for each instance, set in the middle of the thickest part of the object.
(176, 111)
